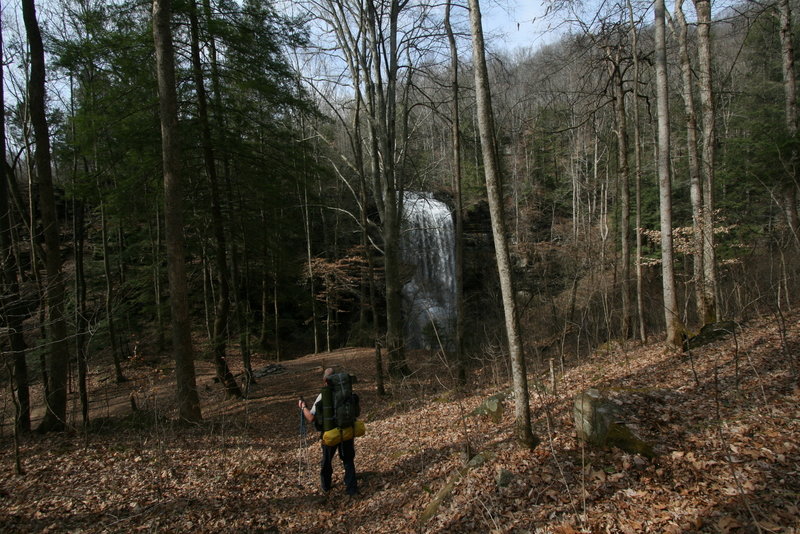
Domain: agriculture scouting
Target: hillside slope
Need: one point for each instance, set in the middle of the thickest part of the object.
(725, 424)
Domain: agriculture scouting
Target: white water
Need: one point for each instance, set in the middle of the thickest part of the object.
(428, 250)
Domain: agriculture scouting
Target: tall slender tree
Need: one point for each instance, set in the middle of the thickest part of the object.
(671, 317)
(792, 182)
(615, 67)
(222, 310)
(637, 158)
(695, 178)
(188, 399)
(372, 42)
(455, 139)
(58, 361)
(491, 169)
(705, 85)
(11, 309)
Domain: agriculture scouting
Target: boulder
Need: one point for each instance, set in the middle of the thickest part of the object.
(597, 422)
(503, 477)
(709, 333)
(493, 407)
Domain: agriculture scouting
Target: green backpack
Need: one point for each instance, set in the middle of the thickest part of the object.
(340, 406)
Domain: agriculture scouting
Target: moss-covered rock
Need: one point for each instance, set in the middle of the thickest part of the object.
(493, 407)
(597, 423)
(710, 333)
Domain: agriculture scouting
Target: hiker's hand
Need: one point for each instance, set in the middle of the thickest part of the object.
(301, 404)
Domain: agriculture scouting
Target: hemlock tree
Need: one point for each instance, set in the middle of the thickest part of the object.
(523, 432)
(188, 400)
(222, 309)
(11, 309)
(58, 357)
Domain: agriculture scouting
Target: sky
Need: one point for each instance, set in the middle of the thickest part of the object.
(521, 23)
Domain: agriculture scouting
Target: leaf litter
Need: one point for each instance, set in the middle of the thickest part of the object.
(724, 422)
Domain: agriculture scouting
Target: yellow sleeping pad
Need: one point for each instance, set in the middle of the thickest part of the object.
(335, 436)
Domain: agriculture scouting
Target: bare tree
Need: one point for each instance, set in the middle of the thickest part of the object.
(459, 209)
(615, 66)
(188, 399)
(523, 431)
(378, 42)
(695, 178)
(673, 323)
(705, 84)
(637, 156)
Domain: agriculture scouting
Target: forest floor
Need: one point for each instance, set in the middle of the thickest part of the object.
(724, 422)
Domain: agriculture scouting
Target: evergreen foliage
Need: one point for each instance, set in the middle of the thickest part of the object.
(295, 140)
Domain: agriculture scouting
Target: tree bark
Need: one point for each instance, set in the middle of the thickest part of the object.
(458, 215)
(695, 178)
(523, 432)
(671, 317)
(81, 323)
(155, 248)
(790, 92)
(222, 309)
(188, 399)
(58, 362)
(109, 297)
(11, 308)
(703, 8)
(637, 156)
(624, 185)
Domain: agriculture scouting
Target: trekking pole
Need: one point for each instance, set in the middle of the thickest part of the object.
(302, 460)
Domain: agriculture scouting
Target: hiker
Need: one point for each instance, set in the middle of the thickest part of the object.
(346, 449)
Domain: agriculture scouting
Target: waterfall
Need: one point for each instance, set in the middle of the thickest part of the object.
(428, 253)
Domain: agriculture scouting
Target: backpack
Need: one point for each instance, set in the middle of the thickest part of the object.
(345, 403)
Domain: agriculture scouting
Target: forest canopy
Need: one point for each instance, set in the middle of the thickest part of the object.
(213, 178)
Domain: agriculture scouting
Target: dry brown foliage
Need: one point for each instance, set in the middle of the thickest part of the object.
(726, 433)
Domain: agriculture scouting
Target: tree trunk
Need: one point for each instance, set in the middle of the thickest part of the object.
(37, 255)
(637, 155)
(624, 184)
(673, 323)
(55, 416)
(188, 399)
(523, 432)
(276, 313)
(109, 298)
(222, 309)
(790, 92)
(11, 309)
(242, 315)
(392, 199)
(155, 246)
(81, 323)
(695, 178)
(461, 367)
(312, 288)
(703, 8)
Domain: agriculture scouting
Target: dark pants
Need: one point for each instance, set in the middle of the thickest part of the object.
(347, 452)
